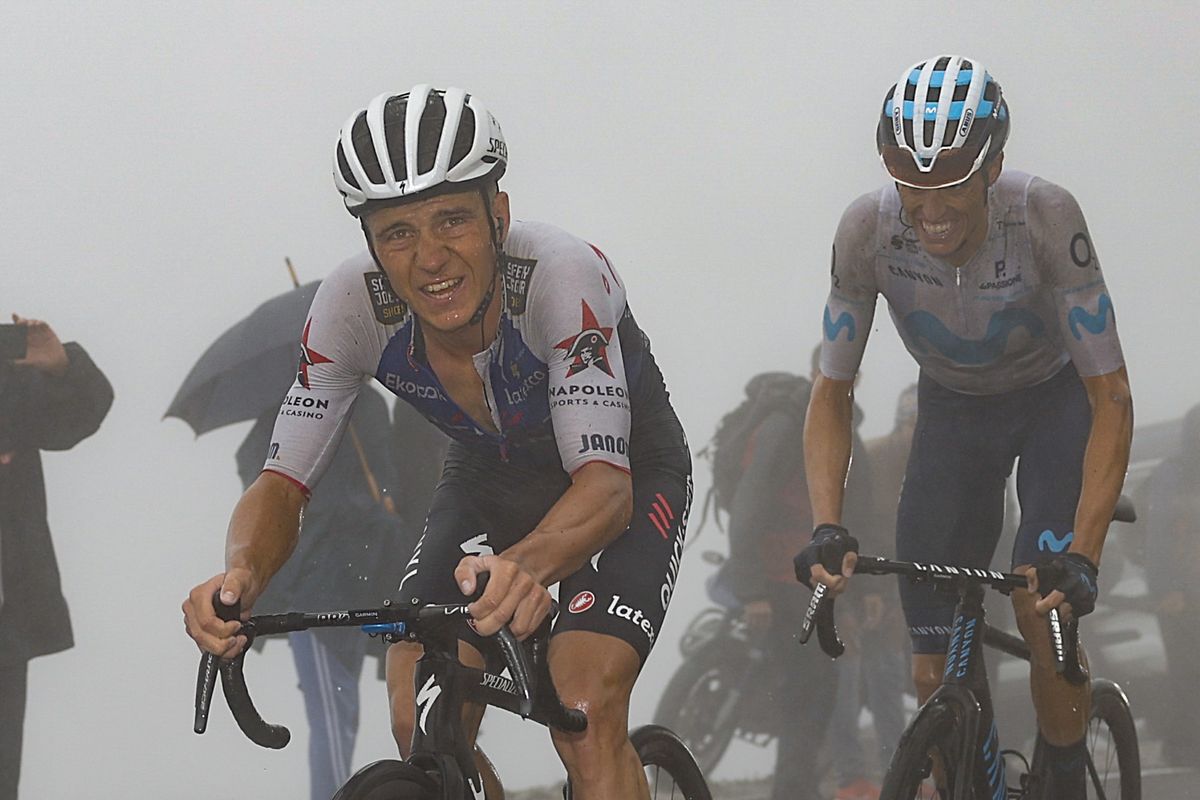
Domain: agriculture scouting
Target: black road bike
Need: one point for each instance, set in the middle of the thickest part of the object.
(442, 764)
(949, 751)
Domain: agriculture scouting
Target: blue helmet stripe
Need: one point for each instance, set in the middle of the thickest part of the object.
(935, 80)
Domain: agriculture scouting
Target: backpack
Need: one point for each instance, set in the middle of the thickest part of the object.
(726, 451)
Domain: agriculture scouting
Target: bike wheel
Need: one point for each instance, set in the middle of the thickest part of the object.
(671, 771)
(389, 780)
(925, 765)
(1114, 762)
(697, 705)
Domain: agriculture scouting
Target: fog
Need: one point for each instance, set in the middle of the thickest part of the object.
(159, 161)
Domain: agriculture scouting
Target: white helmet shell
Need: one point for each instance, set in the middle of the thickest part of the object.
(403, 145)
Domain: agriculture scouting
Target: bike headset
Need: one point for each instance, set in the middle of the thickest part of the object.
(413, 146)
(942, 121)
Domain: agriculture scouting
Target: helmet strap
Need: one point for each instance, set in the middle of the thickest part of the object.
(498, 249)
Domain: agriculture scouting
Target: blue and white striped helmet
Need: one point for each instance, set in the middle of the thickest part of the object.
(944, 118)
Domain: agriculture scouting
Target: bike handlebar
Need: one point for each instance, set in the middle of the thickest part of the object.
(413, 622)
(819, 615)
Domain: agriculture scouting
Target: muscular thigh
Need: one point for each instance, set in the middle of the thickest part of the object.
(1050, 474)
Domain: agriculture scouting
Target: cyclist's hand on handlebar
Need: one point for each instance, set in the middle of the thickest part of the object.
(512, 596)
(1067, 582)
(829, 558)
(211, 633)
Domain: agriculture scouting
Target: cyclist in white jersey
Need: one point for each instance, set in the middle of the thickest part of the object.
(568, 465)
(995, 288)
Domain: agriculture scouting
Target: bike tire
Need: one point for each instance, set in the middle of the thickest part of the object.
(389, 780)
(934, 736)
(1114, 760)
(692, 698)
(671, 770)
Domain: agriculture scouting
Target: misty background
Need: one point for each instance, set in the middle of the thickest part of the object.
(160, 160)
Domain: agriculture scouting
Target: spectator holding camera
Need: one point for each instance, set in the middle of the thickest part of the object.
(51, 397)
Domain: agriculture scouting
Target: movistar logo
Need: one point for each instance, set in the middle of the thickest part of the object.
(923, 327)
(832, 329)
(1048, 541)
(1094, 323)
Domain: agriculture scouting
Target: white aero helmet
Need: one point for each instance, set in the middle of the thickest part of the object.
(423, 142)
(941, 121)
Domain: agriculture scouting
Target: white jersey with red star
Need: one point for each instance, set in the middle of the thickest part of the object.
(566, 366)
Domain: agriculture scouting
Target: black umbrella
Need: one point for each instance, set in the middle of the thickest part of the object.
(248, 368)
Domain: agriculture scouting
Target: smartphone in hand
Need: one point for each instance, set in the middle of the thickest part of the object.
(14, 341)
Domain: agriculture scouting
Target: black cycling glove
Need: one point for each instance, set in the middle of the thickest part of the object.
(828, 547)
(1074, 575)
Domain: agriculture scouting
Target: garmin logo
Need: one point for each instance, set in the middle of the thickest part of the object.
(968, 118)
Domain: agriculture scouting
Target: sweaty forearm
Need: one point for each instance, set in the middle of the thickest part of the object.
(594, 511)
(827, 444)
(1104, 463)
(263, 530)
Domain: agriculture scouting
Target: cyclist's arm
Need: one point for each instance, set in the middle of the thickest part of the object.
(848, 315)
(263, 531)
(1064, 250)
(1105, 460)
(594, 510)
(827, 445)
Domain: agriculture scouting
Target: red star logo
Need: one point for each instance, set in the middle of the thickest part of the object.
(308, 356)
(588, 347)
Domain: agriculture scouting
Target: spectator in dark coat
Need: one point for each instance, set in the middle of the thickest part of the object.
(50, 400)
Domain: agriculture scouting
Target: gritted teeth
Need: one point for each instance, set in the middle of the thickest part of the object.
(936, 228)
(441, 286)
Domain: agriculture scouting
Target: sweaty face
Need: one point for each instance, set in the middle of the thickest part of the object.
(951, 223)
(438, 254)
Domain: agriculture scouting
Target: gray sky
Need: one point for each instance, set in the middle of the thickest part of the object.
(161, 159)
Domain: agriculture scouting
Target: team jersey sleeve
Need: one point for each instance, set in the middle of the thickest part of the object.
(850, 308)
(340, 345)
(576, 301)
(1064, 252)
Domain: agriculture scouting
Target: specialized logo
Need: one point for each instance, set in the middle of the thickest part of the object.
(923, 328)
(1048, 541)
(308, 356)
(1093, 323)
(588, 348)
(389, 309)
(477, 546)
(581, 602)
(844, 320)
(425, 700)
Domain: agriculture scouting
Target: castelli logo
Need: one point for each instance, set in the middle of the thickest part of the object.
(581, 602)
